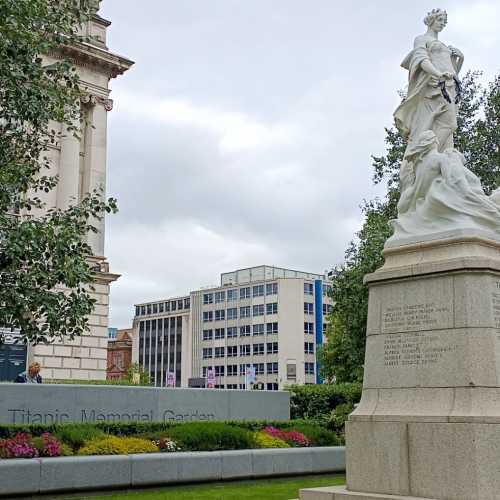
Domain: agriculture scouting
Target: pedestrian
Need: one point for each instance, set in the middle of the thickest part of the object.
(31, 376)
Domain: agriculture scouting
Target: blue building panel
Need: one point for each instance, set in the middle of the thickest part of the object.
(318, 304)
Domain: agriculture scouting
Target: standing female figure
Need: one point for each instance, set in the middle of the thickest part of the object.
(433, 83)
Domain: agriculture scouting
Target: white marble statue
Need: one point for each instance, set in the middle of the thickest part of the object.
(438, 192)
(433, 81)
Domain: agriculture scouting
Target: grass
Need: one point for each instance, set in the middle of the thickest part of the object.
(268, 489)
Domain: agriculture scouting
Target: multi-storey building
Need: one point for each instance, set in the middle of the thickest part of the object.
(163, 337)
(268, 318)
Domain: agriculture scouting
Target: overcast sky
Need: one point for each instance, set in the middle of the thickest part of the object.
(243, 134)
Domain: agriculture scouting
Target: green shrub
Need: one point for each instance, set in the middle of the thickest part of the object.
(264, 440)
(319, 436)
(209, 436)
(76, 435)
(318, 401)
(114, 445)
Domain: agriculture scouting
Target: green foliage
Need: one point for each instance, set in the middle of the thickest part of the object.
(264, 440)
(317, 402)
(114, 445)
(318, 435)
(210, 436)
(76, 435)
(43, 250)
(477, 137)
(190, 436)
(136, 371)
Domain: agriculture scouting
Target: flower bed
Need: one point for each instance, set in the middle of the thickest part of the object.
(123, 439)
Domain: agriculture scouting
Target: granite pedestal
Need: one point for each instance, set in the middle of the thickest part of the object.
(428, 424)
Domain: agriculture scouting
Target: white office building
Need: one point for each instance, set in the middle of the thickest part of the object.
(265, 317)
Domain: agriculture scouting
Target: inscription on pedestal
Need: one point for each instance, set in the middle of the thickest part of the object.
(416, 349)
(415, 317)
(495, 299)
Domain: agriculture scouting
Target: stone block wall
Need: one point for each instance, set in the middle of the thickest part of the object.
(85, 357)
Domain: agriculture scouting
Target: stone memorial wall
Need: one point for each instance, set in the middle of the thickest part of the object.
(48, 404)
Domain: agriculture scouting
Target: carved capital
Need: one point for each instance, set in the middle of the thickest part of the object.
(89, 99)
(106, 102)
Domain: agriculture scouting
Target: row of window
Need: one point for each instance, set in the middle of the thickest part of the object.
(242, 293)
(162, 307)
(248, 349)
(244, 350)
(245, 312)
(245, 331)
(260, 369)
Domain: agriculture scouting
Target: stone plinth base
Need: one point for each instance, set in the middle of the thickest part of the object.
(340, 493)
(428, 424)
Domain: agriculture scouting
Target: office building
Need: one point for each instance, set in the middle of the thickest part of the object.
(264, 317)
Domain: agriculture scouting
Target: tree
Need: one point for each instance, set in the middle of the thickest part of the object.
(478, 138)
(45, 273)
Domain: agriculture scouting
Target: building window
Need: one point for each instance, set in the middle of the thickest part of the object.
(219, 386)
(187, 303)
(272, 386)
(207, 352)
(258, 349)
(309, 347)
(231, 386)
(208, 334)
(167, 306)
(232, 313)
(155, 308)
(208, 316)
(220, 297)
(208, 298)
(242, 386)
(271, 328)
(219, 352)
(232, 295)
(143, 310)
(308, 308)
(205, 369)
(272, 368)
(309, 328)
(173, 305)
(245, 293)
(271, 288)
(258, 310)
(232, 351)
(258, 291)
(137, 310)
(244, 330)
(160, 307)
(219, 371)
(308, 289)
(245, 350)
(327, 290)
(148, 308)
(180, 304)
(245, 312)
(272, 308)
(259, 368)
(219, 333)
(272, 348)
(258, 329)
(309, 368)
(243, 369)
(220, 315)
(232, 332)
(232, 370)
